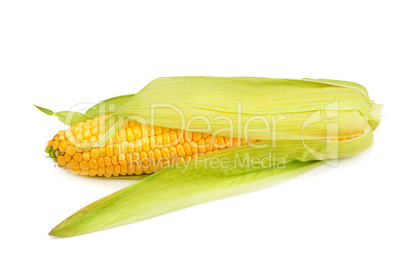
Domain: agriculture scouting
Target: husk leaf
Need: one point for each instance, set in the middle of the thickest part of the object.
(250, 102)
(170, 190)
(67, 117)
(107, 106)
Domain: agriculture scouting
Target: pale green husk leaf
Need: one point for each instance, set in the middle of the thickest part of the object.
(170, 190)
(257, 103)
(107, 106)
(67, 117)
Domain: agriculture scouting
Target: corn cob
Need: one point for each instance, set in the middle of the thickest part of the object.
(304, 140)
(134, 149)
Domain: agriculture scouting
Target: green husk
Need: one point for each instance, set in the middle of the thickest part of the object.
(67, 117)
(107, 106)
(190, 101)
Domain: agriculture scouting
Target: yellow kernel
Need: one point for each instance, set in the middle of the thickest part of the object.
(131, 124)
(123, 170)
(93, 140)
(123, 147)
(71, 140)
(84, 165)
(144, 130)
(116, 170)
(165, 130)
(157, 154)
(208, 143)
(102, 152)
(180, 150)
(116, 149)
(151, 156)
(187, 149)
(228, 142)
(101, 161)
(129, 134)
(73, 164)
(101, 171)
(173, 152)
(138, 170)
(55, 145)
(107, 160)
(122, 135)
(148, 170)
(87, 124)
(67, 157)
(93, 163)
(109, 170)
(143, 155)
(114, 160)
(61, 161)
(165, 153)
(87, 133)
(138, 145)
(94, 153)
(145, 144)
(78, 157)
(86, 156)
(201, 145)
(94, 131)
(94, 123)
(84, 172)
(122, 159)
(221, 142)
(85, 143)
(180, 136)
(75, 170)
(68, 133)
(93, 172)
(79, 136)
(166, 139)
(131, 147)
(173, 138)
(158, 130)
(188, 136)
(196, 136)
(137, 132)
(109, 150)
(193, 147)
(129, 159)
(136, 157)
(237, 142)
(159, 141)
(130, 169)
(63, 146)
(75, 129)
(152, 142)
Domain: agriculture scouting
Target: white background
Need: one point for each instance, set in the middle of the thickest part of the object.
(61, 53)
